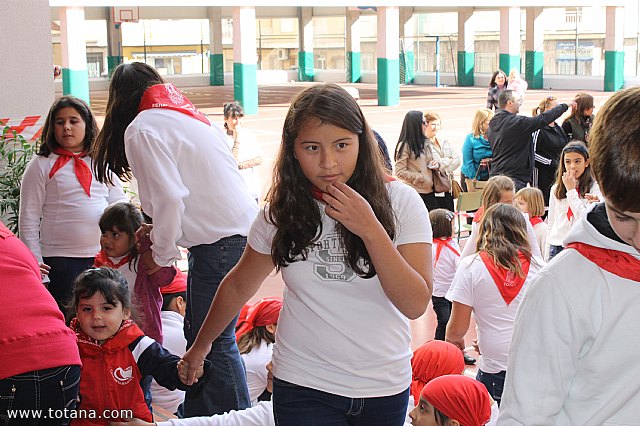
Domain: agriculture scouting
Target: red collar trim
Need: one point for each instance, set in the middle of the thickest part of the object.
(619, 263)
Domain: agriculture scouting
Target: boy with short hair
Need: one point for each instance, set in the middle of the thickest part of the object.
(573, 354)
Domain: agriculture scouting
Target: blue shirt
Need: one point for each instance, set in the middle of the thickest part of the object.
(473, 151)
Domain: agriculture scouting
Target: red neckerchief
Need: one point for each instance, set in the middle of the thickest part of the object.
(169, 97)
(508, 283)
(617, 262)
(102, 259)
(82, 170)
(569, 212)
(317, 193)
(535, 220)
(478, 216)
(443, 242)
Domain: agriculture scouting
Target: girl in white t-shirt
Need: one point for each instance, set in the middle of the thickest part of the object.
(256, 334)
(570, 196)
(499, 189)
(61, 200)
(491, 284)
(530, 200)
(446, 256)
(351, 244)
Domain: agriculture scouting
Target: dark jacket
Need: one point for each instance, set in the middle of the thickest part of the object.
(510, 139)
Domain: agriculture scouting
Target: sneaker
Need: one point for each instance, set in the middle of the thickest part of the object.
(469, 360)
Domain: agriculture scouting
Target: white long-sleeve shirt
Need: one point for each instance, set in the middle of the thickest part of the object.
(57, 218)
(189, 182)
(557, 221)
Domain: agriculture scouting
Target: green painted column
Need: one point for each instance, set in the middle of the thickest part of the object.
(353, 67)
(533, 70)
(410, 68)
(613, 71)
(113, 62)
(76, 83)
(507, 62)
(388, 81)
(245, 87)
(466, 66)
(305, 66)
(216, 69)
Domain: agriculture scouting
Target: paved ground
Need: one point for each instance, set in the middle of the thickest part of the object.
(455, 105)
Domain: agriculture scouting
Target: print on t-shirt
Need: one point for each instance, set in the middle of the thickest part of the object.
(330, 260)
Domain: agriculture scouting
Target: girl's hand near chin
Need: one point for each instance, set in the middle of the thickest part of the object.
(349, 208)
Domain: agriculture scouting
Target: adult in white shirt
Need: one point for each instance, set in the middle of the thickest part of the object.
(491, 285)
(333, 217)
(190, 185)
(61, 201)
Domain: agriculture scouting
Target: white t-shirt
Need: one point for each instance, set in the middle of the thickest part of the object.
(338, 332)
(445, 269)
(174, 342)
(255, 363)
(473, 286)
(57, 218)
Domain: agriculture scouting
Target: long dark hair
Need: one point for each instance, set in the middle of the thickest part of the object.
(583, 101)
(49, 142)
(411, 135)
(585, 181)
(293, 210)
(128, 83)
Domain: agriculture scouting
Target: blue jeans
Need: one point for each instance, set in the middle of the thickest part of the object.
(494, 382)
(225, 386)
(295, 405)
(442, 308)
(554, 250)
(54, 389)
(63, 271)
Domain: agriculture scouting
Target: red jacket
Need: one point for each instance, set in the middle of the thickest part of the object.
(33, 335)
(112, 372)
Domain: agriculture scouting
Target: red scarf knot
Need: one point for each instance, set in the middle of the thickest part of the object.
(102, 259)
(443, 242)
(81, 169)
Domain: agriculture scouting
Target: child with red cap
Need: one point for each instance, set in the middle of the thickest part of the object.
(452, 400)
(256, 334)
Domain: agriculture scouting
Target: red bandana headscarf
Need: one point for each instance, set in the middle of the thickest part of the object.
(460, 398)
(508, 283)
(266, 311)
(433, 359)
(616, 262)
(169, 97)
(82, 170)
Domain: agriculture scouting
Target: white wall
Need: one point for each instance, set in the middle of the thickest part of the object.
(26, 64)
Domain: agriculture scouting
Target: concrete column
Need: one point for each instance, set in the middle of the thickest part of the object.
(75, 77)
(245, 83)
(26, 66)
(534, 43)
(407, 33)
(305, 44)
(614, 49)
(466, 47)
(353, 46)
(387, 48)
(114, 42)
(216, 57)
(509, 39)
